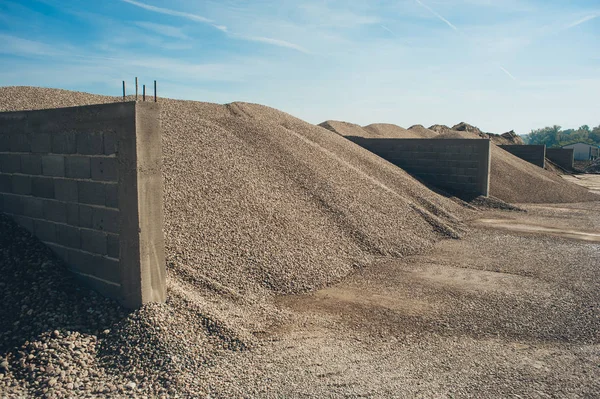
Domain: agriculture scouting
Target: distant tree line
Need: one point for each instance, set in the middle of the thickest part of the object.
(554, 136)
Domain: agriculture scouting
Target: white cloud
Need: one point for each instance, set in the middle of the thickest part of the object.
(582, 20)
(165, 30)
(275, 42)
(175, 13)
(431, 10)
(510, 75)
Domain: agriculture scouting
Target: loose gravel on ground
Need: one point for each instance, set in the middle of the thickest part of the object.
(257, 203)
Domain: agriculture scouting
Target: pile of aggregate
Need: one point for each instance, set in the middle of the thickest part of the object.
(386, 130)
(593, 167)
(422, 131)
(257, 204)
(512, 179)
(517, 181)
(378, 130)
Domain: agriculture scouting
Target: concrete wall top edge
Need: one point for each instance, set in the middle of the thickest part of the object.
(92, 107)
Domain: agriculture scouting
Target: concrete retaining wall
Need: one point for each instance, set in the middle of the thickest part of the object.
(534, 154)
(563, 157)
(87, 182)
(458, 166)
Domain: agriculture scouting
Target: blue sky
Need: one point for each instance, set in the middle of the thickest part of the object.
(498, 64)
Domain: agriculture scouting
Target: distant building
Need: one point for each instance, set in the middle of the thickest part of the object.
(584, 152)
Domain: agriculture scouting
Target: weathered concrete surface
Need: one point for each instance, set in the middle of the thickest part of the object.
(86, 181)
(563, 157)
(534, 154)
(459, 166)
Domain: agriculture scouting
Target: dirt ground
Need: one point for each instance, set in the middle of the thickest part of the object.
(511, 310)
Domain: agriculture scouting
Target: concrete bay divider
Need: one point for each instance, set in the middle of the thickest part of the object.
(563, 157)
(87, 182)
(534, 154)
(458, 166)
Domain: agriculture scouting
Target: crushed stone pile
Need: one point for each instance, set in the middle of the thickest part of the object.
(386, 130)
(257, 203)
(517, 181)
(377, 130)
(512, 138)
(594, 167)
(422, 131)
(512, 179)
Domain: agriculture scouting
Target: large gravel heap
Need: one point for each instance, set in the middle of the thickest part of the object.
(257, 203)
(511, 178)
(515, 180)
(378, 130)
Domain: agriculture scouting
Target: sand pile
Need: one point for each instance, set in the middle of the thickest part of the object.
(257, 202)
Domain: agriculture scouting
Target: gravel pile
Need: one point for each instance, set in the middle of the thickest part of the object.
(257, 203)
(378, 130)
(515, 180)
(422, 131)
(594, 167)
(512, 179)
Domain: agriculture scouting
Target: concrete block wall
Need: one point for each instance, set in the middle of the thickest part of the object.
(87, 182)
(563, 157)
(534, 154)
(458, 166)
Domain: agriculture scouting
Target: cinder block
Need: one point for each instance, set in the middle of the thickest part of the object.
(64, 143)
(33, 207)
(42, 187)
(95, 265)
(10, 163)
(78, 167)
(90, 143)
(31, 164)
(21, 184)
(66, 190)
(68, 236)
(55, 211)
(13, 204)
(45, 231)
(105, 220)
(110, 143)
(104, 168)
(73, 214)
(112, 195)
(85, 216)
(25, 222)
(113, 246)
(41, 143)
(5, 183)
(53, 165)
(61, 252)
(94, 241)
(19, 142)
(91, 193)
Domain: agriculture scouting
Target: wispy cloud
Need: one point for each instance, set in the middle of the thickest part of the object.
(176, 32)
(165, 30)
(275, 42)
(431, 10)
(385, 28)
(175, 13)
(582, 20)
(510, 75)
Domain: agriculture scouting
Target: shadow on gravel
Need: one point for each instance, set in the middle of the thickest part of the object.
(39, 295)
